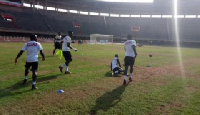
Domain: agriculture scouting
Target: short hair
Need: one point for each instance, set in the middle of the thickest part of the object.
(129, 37)
(70, 32)
(33, 37)
(116, 55)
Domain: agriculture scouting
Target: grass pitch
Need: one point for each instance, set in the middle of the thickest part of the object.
(90, 89)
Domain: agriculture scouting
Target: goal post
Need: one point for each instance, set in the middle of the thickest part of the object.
(101, 39)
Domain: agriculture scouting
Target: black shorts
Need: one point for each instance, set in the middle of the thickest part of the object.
(34, 65)
(67, 55)
(129, 61)
(57, 45)
(116, 69)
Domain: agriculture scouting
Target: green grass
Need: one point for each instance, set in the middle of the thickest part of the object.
(159, 89)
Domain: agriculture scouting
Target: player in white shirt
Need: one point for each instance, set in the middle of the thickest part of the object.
(114, 66)
(57, 42)
(130, 55)
(66, 46)
(32, 47)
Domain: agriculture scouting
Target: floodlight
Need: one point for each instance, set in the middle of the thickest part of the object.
(51, 8)
(104, 14)
(156, 16)
(39, 6)
(94, 13)
(26, 5)
(145, 16)
(190, 16)
(73, 11)
(83, 13)
(62, 10)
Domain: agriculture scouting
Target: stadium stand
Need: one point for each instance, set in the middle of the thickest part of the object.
(51, 22)
(3, 23)
(39, 21)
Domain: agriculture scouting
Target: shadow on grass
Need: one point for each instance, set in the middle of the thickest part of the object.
(109, 74)
(108, 100)
(12, 90)
(47, 78)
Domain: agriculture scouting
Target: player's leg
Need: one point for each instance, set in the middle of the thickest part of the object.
(27, 67)
(126, 63)
(67, 66)
(132, 61)
(117, 70)
(68, 59)
(34, 74)
(63, 65)
(54, 51)
(120, 70)
(125, 74)
(57, 46)
(54, 48)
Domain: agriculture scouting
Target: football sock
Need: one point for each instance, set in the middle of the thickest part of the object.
(130, 75)
(63, 65)
(34, 82)
(66, 68)
(124, 77)
(25, 77)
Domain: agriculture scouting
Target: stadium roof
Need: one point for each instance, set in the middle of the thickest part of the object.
(158, 7)
(130, 1)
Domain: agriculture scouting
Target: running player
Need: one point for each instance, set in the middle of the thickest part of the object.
(66, 46)
(32, 47)
(57, 41)
(130, 55)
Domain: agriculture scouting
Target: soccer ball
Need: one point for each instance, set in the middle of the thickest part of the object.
(150, 55)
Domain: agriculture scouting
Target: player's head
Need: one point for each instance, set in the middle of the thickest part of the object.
(129, 37)
(33, 37)
(59, 33)
(70, 33)
(116, 55)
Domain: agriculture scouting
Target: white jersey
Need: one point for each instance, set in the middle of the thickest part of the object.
(58, 38)
(66, 40)
(114, 63)
(32, 48)
(129, 49)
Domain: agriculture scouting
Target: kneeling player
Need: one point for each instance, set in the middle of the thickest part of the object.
(114, 66)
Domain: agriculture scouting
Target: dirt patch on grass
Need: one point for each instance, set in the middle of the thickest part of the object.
(192, 89)
(143, 73)
(166, 109)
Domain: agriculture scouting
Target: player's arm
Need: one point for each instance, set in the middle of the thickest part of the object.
(55, 38)
(111, 66)
(42, 54)
(124, 48)
(18, 55)
(134, 49)
(68, 45)
(118, 62)
(61, 44)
